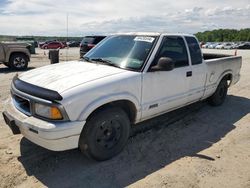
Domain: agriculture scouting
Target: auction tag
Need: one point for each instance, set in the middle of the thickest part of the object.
(144, 39)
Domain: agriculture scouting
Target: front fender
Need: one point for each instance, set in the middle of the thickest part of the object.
(12, 51)
(108, 99)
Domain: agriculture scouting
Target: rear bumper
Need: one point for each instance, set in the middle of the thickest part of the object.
(56, 136)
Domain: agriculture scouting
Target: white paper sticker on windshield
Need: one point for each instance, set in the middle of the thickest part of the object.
(144, 39)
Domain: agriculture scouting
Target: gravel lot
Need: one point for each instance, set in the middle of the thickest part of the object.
(196, 146)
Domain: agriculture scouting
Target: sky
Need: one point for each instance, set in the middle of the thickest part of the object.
(49, 17)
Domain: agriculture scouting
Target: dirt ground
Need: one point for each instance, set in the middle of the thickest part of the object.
(196, 146)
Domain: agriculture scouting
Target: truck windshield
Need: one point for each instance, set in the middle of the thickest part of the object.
(123, 51)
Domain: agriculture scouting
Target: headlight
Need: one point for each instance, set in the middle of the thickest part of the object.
(49, 112)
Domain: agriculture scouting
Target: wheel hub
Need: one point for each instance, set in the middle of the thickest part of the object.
(108, 134)
(19, 62)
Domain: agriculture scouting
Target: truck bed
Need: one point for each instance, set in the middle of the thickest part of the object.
(219, 65)
(208, 56)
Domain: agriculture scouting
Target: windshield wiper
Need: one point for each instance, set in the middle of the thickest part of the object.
(105, 61)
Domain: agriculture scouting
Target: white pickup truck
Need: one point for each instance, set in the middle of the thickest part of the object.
(125, 79)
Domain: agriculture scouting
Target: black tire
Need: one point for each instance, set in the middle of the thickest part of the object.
(105, 134)
(18, 61)
(220, 94)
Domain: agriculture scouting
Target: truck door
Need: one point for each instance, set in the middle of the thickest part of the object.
(165, 90)
(198, 79)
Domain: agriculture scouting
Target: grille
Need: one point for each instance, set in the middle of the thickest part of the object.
(22, 104)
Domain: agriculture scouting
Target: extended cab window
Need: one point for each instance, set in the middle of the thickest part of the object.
(174, 48)
(195, 51)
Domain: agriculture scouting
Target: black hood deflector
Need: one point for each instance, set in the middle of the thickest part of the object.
(36, 91)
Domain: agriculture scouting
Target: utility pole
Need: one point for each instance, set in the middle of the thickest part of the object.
(67, 35)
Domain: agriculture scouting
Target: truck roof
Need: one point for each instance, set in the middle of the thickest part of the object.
(152, 33)
(138, 33)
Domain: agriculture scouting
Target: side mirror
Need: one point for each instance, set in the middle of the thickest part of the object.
(163, 64)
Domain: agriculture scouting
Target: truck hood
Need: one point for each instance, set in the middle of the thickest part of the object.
(63, 76)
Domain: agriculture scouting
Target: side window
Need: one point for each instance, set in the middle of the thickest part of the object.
(195, 51)
(174, 48)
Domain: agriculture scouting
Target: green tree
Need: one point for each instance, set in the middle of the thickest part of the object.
(224, 35)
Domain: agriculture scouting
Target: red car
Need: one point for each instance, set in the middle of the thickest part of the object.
(53, 45)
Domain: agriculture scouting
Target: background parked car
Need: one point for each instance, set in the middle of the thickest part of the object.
(228, 46)
(64, 43)
(235, 45)
(213, 45)
(206, 45)
(224, 46)
(219, 46)
(15, 55)
(73, 43)
(244, 46)
(40, 44)
(53, 45)
(89, 42)
(29, 40)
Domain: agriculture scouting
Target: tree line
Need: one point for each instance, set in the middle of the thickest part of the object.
(218, 35)
(224, 35)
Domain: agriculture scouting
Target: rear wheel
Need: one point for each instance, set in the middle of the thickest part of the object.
(105, 134)
(18, 61)
(220, 94)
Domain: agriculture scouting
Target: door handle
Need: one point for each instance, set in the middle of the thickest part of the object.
(189, 74)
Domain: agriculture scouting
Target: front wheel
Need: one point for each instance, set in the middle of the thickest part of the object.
(220, 94)
(105, 134)
(18, 61)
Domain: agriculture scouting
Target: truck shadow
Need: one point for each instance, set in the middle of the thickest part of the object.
(167, 138)
(6, 70)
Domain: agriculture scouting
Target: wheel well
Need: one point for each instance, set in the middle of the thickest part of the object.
(126, 105)
(229, 78)
(16, 53)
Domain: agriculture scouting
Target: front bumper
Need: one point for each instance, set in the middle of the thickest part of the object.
(56, 136)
